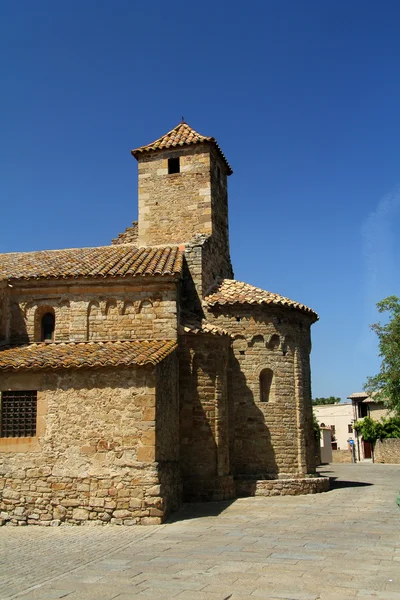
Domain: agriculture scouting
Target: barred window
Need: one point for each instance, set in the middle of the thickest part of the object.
(18, 414)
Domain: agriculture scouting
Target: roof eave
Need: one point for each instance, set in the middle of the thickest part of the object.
(95, 279)
(138, 152)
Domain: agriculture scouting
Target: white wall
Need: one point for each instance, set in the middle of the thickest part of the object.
(339, 415)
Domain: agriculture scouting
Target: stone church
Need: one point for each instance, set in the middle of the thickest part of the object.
(141, 374)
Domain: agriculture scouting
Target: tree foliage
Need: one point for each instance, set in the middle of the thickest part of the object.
(386, 384)
(316, 429)
(330, 400)
(378, 430)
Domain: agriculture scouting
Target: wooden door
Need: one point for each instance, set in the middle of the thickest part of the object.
(367, 449)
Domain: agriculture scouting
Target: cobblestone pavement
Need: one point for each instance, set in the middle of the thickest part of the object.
(341, 544)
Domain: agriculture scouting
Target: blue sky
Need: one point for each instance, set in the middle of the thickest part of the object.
(303, 97)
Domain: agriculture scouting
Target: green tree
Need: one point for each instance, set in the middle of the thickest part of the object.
(330, 400)
(378, 430)
(316, 429)
(368, 428)
(386, 384)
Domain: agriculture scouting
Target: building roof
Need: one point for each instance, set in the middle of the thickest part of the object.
(363, 397)
(78, 355)
(104, 261)
(194, 325)
(129, 236)
(230, 291)
(181, 135)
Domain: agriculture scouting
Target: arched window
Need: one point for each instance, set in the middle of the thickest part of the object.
(274, 342)
(48, 324)
(266, 377)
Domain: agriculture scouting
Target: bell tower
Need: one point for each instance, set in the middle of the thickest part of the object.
(183, 199)
(182, 183)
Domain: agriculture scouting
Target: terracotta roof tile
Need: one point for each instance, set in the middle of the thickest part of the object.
(230, 291)
(364, 397)
(105, 261)
(77, 355)
(129, 236)
(181, 135)
(194, 325)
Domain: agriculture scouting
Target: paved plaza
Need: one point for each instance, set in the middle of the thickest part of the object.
(341, 544)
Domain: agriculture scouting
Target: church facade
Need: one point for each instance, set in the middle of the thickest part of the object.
(141, 374)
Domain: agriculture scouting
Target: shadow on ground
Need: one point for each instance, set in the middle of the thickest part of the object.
(335, 483)
(196, 510)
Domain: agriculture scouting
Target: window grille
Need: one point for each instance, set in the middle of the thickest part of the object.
(18, 414)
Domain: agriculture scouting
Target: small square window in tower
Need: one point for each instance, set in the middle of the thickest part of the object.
(174, 166)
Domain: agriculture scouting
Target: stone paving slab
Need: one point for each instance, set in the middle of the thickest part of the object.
(341, 544)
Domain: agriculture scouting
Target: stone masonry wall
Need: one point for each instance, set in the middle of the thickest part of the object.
(174, 208)
(167, 434)
(387, 451)
(4, 319)
(204, 418)
(84, 312)
(341, 456)
(273, 438)
(378, 411)
(94, 458)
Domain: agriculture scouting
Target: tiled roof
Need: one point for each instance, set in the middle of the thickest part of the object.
(194, 325)
(181, 135)
(105, 261)
(364, 397)
(77, 355)
(129, 236)
(230, 291)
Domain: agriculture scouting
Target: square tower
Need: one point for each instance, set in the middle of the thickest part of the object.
(182, 189)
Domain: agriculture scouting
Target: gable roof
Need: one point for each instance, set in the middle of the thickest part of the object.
(105, 261)
(79, 355)
(181, 135)
(230, 291)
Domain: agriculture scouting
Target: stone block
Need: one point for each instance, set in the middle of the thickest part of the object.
(154, 491)
(122, 514)
(146, 454)
(59, 512)
(135, 503)
(80, 514)
(151, 521)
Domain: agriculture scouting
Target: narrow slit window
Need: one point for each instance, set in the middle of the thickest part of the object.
(266, 376)
(48, 326)
(173, 166)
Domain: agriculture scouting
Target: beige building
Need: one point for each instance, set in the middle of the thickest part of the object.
(339, 418)
(137, 375)
(365, 406)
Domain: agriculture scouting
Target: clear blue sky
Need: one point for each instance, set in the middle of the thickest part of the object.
(303, 97)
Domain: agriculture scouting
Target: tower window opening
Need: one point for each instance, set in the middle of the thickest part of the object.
(48, 326)
(174, 166)
(266, 376)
